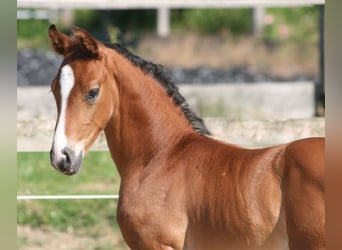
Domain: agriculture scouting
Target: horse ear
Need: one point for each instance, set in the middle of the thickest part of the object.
(60, 42)
(88, 42)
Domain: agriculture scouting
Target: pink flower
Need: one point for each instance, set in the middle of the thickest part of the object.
(283, 30)
(268, 19)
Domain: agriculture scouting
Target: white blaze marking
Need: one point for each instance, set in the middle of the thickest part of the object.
(66, 82)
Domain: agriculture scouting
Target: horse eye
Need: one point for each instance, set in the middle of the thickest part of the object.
(92, 94)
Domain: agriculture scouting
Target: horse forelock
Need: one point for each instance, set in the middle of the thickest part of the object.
(77, 50)
(159, 73)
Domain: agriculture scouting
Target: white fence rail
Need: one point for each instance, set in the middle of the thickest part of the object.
(163, 7)
(67, 197)
(156, 4)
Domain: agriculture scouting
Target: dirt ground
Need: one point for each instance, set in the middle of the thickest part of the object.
(29, 238)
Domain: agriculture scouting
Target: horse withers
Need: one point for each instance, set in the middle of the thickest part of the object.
(180, 188)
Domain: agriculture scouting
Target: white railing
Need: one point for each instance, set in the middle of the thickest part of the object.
(68, 197)
(156, 4)
(163, 7)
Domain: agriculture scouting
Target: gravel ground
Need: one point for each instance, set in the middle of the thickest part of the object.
(38, 67)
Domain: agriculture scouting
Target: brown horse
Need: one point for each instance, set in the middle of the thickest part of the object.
(180, 188)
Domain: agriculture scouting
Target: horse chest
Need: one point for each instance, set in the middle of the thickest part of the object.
(152, 212)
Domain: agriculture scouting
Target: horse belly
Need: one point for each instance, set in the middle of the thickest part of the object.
(258, 226)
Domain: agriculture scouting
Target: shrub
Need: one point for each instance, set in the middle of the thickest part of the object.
(211, 21)
(293, 24)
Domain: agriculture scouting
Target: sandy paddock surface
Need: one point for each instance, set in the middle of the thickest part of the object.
(29, 238)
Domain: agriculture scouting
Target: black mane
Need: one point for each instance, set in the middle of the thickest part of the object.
(158, 72)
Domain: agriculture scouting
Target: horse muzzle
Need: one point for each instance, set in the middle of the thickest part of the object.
(67, 161)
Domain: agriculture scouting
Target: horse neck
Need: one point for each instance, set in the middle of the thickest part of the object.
(146, 122)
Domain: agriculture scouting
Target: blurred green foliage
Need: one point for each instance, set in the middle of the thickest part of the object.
(291, 24)
(212, 21)
(126, 26)
(32, 33)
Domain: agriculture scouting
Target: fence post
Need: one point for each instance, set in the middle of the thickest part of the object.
(257, 20)
(319, 87)
(163, 22)
(65, 17)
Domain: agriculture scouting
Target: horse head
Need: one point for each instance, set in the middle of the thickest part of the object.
(83, 90)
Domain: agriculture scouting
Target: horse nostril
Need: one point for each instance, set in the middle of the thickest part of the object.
(68, 155)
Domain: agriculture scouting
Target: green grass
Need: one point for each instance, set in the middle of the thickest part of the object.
(90, 218)
(37, 176)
